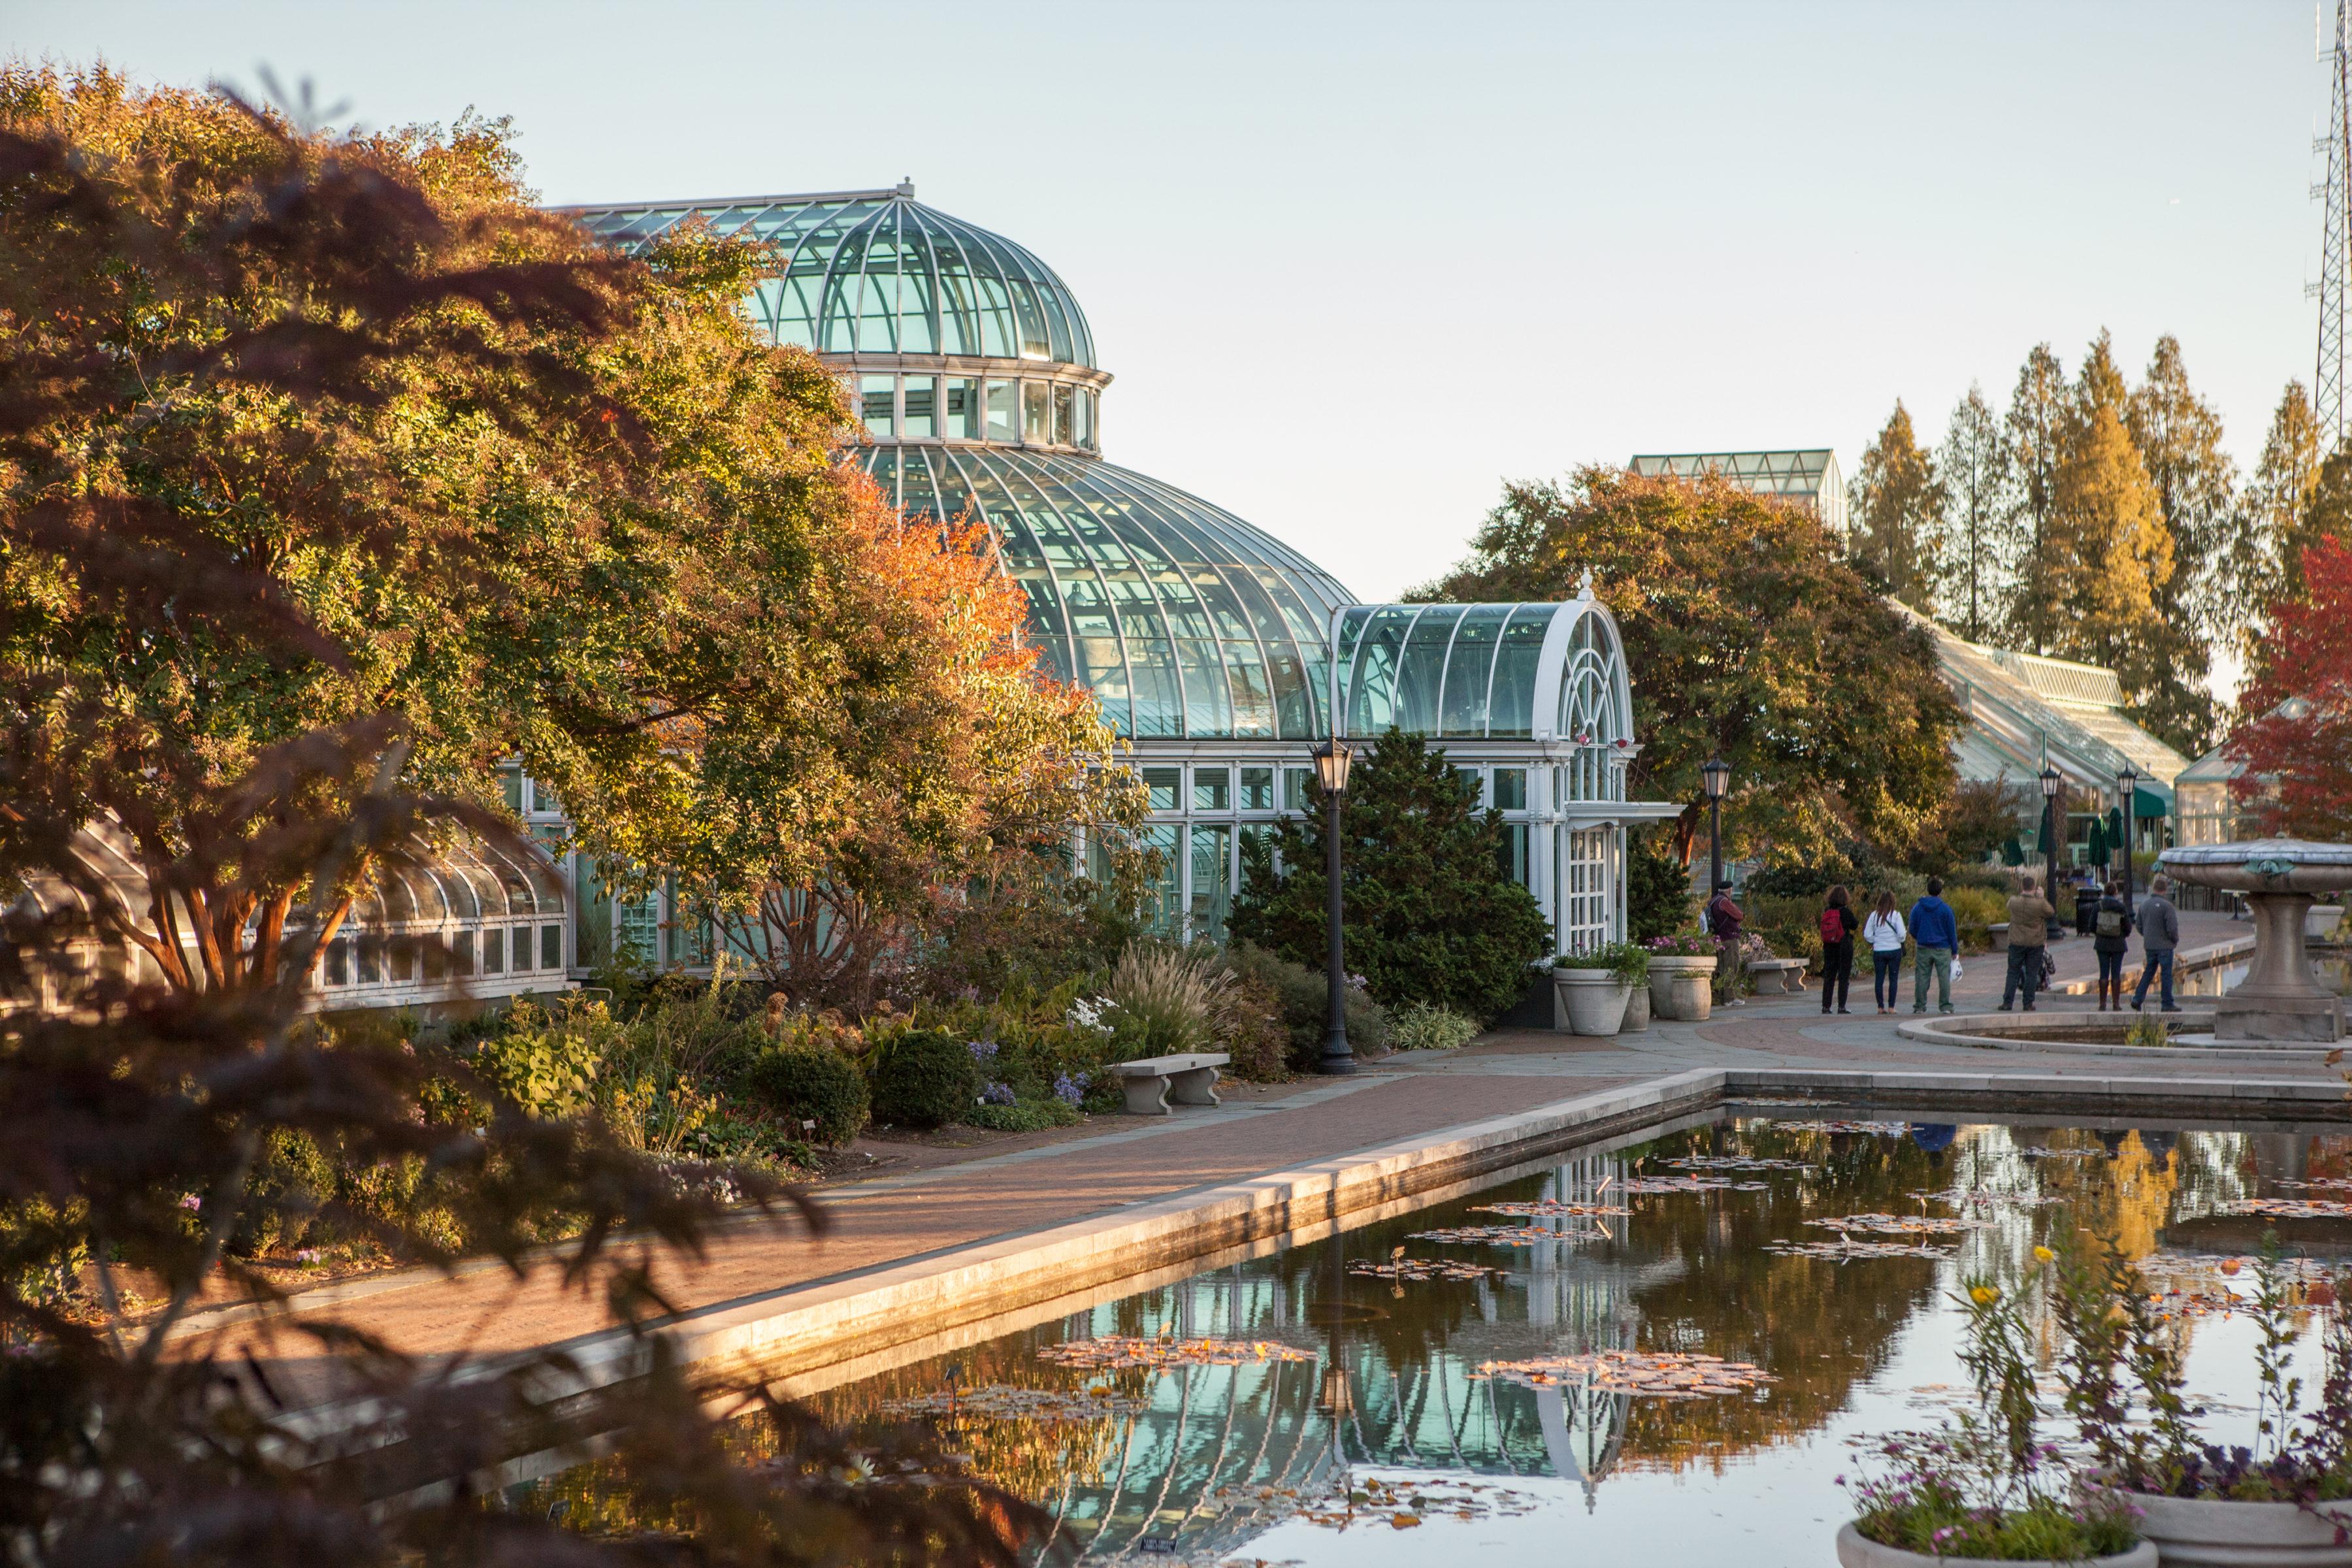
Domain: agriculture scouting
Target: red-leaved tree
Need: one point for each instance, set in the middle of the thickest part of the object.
(2297, 755)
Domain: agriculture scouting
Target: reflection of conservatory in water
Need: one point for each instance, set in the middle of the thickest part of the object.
(1206, 642)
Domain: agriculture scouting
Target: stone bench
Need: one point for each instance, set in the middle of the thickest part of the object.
(1777, 977)
(1190, 1080)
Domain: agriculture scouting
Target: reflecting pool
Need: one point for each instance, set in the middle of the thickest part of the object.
(1708, 1241)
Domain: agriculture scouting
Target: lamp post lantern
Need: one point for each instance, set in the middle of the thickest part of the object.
(1717, 774)
(2128, 781)
(1331, 760)
(2052, 782)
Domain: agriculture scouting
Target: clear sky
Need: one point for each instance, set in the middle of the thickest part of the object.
(1355, 264)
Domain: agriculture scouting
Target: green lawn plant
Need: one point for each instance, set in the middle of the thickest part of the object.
(1629, 961)
(1985, 1484)
(1420, 1027)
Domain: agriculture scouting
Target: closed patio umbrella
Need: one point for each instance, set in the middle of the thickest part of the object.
(2097, 852)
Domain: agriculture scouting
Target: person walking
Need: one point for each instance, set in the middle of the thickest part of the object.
(2160, 934)
(1935, 941)
(1885, 932)
(1724, 919)
(2111, 925)
(2029, 936)
(1838, 926)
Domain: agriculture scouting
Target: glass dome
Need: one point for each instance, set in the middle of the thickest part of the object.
(1182, 619)
(870, 272)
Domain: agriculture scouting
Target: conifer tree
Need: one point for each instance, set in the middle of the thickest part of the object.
(1974, 466)
(2036, 427)
(1897, 506)
(2269, 515)
(2106, 557)
(2179, 438)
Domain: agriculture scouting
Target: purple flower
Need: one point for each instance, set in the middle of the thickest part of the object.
(190, 1201)
(998, 1094)
(1069, 1090)
(982, 1050)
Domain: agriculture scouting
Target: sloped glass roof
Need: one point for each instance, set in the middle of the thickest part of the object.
(1182, 619)
(1794, 473)
(1552, 672)
(878, 272)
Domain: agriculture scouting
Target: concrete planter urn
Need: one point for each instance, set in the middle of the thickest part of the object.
(1637, 1010)
(1593, 999)
(2323, 922)
(1998, 935)
(2189, 1531)
(1855, 1549)
(1682, 989)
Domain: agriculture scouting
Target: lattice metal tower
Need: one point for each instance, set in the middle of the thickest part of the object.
(2335, 252)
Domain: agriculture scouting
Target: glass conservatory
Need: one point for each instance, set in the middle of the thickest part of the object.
(1213, 647)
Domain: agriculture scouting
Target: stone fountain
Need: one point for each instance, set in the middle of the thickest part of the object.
(2281, 998)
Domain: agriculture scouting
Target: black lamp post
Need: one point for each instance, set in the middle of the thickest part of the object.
(2051, 784)
(1331, 760)
(2128, 781)
(1718, 776)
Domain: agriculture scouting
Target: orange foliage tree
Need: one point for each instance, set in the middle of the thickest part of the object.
(2298, 756)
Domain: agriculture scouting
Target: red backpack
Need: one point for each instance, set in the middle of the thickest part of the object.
(1833, 925)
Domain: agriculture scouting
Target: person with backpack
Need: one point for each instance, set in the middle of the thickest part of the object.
(1886, 933)
(1838, 926)
(2160, 934)
(1935, 942)
(2029, 942)
(1724, 919)
(2111, 925)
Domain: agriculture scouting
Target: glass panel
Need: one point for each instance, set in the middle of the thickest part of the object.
(339, 961)
(1063, 418)
(436, 958)
(1087, 419)
(1294, 788)
(494, 951)
(400, 960)
(1423, 668)
(1258, 789)
(594, 940)
(371, 956)
(876, 395)
(551, 947)
(1511, 711)
(963, 408)
(1474, 786)
(1467, 669)
(1004, 411)
(1212, 789)
(921, 408)
(510, 779)
(638, 933)
(542, 797)
(461, 953)
(1164, 784)
(1257, 853)
(1162, 912)
(1511, 788)
(1213, 881)
(522, 949)
(1036, 397)
(1514, 852)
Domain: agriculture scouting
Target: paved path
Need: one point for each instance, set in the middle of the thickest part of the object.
(1118, 1162)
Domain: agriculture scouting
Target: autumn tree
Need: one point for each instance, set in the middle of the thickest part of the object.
(1973, 464)
(2035, 425)
(1896, 503)
(2298, 754)
(2180, 439)
(1749, 636)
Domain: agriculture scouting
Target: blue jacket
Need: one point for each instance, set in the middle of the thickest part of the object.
(1932, 924)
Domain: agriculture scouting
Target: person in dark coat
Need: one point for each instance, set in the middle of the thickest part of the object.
(2111, 928)
(1837, 951)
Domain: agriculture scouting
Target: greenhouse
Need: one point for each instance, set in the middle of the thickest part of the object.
(1208, 643)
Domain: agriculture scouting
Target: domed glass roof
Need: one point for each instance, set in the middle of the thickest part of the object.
(1182, 618)
(878, 272)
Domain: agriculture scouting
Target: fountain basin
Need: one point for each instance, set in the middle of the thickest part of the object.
(2281, 1000)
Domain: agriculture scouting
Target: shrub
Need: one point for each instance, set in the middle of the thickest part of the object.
(1251, 1029)
(798, 1086)
(1169, 999)
(1305, 1002)
(924, 1079)
(1024, 1116)
(1628, 960)
(1976, 909)
(1657, 886)
(1423, 1026)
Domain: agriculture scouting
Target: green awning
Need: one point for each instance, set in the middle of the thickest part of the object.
(2146, 802)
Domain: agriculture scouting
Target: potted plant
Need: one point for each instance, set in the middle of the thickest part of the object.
(2287, 1499)
(1595, 985)
(1985, 1486)
(1682, 975)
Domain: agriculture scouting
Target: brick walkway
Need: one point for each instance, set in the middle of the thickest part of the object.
(1117, 1162)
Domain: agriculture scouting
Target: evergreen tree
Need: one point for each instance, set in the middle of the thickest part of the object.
(2325, 515)
(2107, 557)
(2036, 427)
(1432, 915)
(1897, 508)
(1974, 466)
(2269, 515)
(2179, 438)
